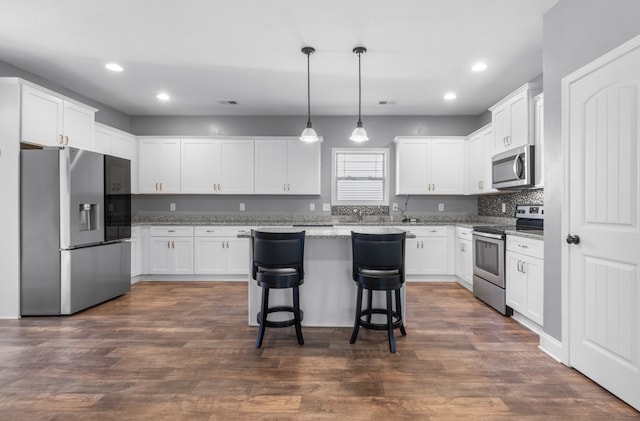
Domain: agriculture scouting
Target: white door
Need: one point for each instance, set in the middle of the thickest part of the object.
(148, 166)
(160, 255)
(199, 166)
(169, 166)
(519, 120)
(413, 167)
(303, 167)
(412, 255)
(78, 125)
(41, 117)
(447, 166)
(210, 255)
(238, 256)
(182, 255)
(434, 255)
(601, 131)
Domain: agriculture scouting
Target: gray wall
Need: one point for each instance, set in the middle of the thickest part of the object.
(106, 115)
(335, 131)
(575, 33)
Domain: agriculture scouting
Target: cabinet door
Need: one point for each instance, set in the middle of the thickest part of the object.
(182, 255)
(169, 166)
(237, 167)
(539, 141)
(135, 256)
(434, 255)
(210, 255)
(102, 140)
(534, 271)
(200, 166)
(41, 121)
(460, 259)
(303, 167)
(412, 256)
(123, 146)
(237, 256)
(447, 167)
(501, 130)
(487, 139)
(413, 167)
(516, 283)
(271, 166)
(160, 256)
(148, 156)
(476, 164)
(78, 125)
(519, 120)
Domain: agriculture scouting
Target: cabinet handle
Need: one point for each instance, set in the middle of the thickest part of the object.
(284, 187)
(66, 140)
(227, 244)
(168, 244)
(288, 187)
(222, 244)
(210, 231)
(161, 186)
(417, 244)
(173, 244)
(156, 186)
(524, 246)
(524, 267)
(219, 187)
(421, 244)
(61, 140)
(519, 261)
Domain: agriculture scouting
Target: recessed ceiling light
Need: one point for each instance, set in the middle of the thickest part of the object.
(480, 66)
(162, 96)
(114, 67)
(449, 96)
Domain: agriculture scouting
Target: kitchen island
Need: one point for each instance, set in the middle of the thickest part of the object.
(328, 295)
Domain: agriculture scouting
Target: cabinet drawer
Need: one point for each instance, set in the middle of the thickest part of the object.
(526, 246)
(428, 231)
(171, 231)
(463, 233)
(212, 231)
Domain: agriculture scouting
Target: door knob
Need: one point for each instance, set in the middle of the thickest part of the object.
(573, 239)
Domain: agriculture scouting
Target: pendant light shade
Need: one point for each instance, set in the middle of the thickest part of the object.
(359, 134)
(309, 134)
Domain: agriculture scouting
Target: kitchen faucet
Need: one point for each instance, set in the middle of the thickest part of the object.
(358, 212)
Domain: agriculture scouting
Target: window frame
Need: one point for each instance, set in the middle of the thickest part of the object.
(334, 178)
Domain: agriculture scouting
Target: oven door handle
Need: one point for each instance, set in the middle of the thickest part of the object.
(485, 234)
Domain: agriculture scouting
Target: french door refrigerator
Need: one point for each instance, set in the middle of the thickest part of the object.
(68, 263)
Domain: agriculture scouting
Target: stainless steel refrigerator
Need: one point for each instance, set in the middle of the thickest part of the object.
(68, 262)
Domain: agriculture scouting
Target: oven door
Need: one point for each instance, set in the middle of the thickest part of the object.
(488, 257)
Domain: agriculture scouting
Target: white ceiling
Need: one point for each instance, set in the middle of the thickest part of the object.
(206, 51)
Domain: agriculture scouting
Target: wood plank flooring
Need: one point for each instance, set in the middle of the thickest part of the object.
(184, 351)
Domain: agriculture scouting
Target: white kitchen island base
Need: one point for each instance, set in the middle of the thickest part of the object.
(328, 295)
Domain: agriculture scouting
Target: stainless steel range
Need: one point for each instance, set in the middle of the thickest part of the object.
(489, 255)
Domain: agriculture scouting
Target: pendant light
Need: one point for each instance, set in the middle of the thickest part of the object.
(309, 134)
(359, 134)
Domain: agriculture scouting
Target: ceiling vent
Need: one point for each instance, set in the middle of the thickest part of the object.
(228, 102)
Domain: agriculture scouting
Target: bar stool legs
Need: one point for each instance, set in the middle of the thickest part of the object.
(265, 310)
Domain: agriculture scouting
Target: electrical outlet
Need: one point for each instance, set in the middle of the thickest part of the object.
(172, 206)
(312, 206)
(440, 207)
(326, 207)
(504, 208)
(394, 207)
(242, 208)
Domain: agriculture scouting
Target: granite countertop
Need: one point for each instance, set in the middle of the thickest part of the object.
(534, 234)
(310, 220)
(329, 232)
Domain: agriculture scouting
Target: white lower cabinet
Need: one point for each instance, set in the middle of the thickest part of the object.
(218, 251)
(427, 254)
(525, 277)
(171, 250)
(464, 257)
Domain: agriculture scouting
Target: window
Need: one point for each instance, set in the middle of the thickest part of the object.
(360, 177)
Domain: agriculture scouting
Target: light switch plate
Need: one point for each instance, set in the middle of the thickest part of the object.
(326, 207)
(172, 206)
(394, 207)
(242, 207)
(440, 207)
(312, 206)
(504, 208)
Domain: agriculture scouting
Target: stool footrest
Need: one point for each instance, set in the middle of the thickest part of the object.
(280, 323)
(378, 326)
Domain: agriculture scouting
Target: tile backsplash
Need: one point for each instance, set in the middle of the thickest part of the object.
(491, 205)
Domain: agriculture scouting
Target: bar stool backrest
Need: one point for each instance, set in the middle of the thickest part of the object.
(382, 252)
(282, 250)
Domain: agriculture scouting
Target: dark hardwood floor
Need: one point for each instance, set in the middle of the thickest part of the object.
(174, 351)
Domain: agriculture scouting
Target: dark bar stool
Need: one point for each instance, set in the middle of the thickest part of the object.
(278, 263)
(378, 265)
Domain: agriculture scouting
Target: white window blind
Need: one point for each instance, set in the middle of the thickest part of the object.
(360, 176)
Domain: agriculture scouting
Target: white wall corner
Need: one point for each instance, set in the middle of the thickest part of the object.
(552, 347)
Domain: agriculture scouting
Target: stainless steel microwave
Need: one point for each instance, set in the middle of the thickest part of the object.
(513, 168)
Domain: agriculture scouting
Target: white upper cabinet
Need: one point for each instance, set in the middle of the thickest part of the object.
(479, 158)
(217, 166)
(513, 119)
(51, 120)
(426, 165)
(539, 136)
(159, 165)
(108, 140)
(287, 166)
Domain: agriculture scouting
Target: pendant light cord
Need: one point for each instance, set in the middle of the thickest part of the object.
(359, 91)
(308, 92)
